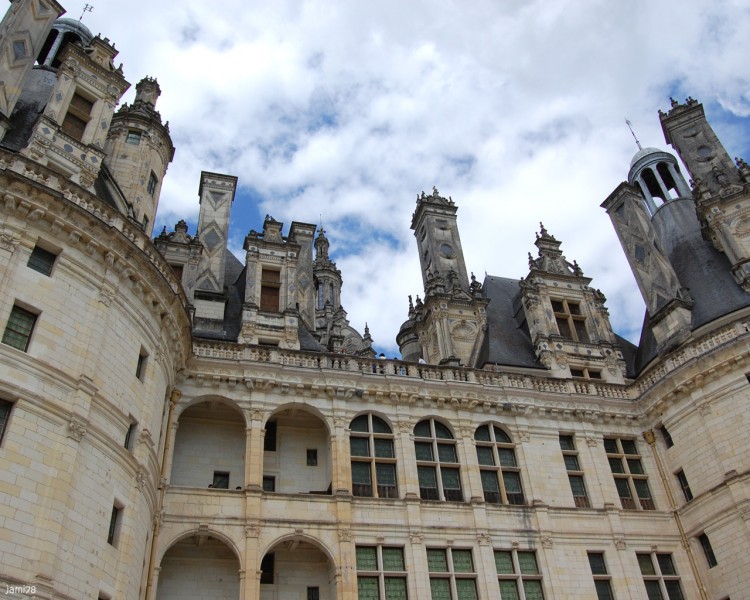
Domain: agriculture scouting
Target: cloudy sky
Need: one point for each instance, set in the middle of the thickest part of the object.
(342, 111)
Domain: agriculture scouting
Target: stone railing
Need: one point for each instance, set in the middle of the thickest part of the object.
(408, 371)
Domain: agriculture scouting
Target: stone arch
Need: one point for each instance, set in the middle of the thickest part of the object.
(200, 563)
(300, 458)
(305, 562)
(209, 445)
(184, 405)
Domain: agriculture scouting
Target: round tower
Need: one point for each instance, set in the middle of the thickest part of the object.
(658, 176)
(139, 149)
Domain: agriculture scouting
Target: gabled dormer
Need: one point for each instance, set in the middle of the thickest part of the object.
(70, 135)
(568, 322)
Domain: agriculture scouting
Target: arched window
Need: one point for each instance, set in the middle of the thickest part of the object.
(373, 459)
(501, 477)
(437, 462)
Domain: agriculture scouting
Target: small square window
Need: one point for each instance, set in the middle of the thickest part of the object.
(269, 483)
(152, 181)
(665, 436)
(313, 593)
(134, 137)
(130, 435)
(312, 457)
(19, 328)
(19, 49)
(41, 260)
(140, 368)
(114, 524)
(221, 480)
(708, 551)
(5, 408)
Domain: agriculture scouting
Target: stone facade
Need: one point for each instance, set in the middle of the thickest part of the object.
(167, 431)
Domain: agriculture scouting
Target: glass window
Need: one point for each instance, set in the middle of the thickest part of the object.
(437, 481)
(495, 447)
(372, 458)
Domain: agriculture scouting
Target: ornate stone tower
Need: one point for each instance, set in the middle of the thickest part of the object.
(451, 321)
(139, 149)
(23, 30)
(568, 322)
(70, 136)
(721, 190)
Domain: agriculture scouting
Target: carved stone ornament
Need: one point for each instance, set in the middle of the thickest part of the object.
(345, 535)
(76, 429)
(591, 441)
(106, 296)
(484, 538)
(8, 242)
(546, 542)
(140, 479)
(252, 531)
(620, 543)
(405, 426)
(416, 537)
(523, 435)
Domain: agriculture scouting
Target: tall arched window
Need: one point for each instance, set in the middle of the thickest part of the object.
(501, 477)
(437, 462)
(373, 458)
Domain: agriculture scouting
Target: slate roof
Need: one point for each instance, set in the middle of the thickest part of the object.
(507, 341)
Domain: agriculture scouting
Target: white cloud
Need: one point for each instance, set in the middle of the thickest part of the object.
(349, 109)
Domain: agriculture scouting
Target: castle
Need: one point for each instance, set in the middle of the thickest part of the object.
(177, 423)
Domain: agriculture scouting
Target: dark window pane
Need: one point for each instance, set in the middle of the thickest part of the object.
(41, 260)
(571, 463)
(367, 558)
(447, 453)
(482, 433)
(616, 465)
(603, 590)
(441, 431)
(485, 456)
(635, 466)
(596, 561)
(566, 442)
(359, 446)
(359, 424)
(422, 429)
(628, 446)
(501, 437)
(610, 446)
(437, 560)
(646, 565)
(674, 590)
(423, 450)
(507, 457)
(665, 564)
(380, 426)
(384, 448)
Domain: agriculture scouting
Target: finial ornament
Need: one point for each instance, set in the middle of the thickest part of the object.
(86, 8)
(630, 126)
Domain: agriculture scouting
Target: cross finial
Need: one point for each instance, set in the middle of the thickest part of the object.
(630, 126)
(86, 8)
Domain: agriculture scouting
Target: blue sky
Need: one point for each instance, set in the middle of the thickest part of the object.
(344, 111)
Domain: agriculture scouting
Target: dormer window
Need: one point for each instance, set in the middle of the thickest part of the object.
(570, 320)
(78, 116)
(270, 287)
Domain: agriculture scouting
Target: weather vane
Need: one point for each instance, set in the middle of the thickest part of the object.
(630, 126)
(86, 8)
